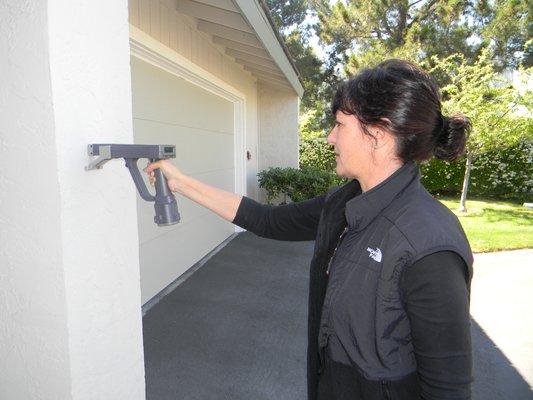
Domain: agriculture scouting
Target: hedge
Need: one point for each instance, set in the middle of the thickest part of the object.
(506, 173)
(296, 184)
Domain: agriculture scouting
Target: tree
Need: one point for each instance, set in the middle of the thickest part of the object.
(289, 17)
(506, 26)
(287, 13)
(463, 43)
(356, 29)
(489, 101)
(309, 65)
(363, 32)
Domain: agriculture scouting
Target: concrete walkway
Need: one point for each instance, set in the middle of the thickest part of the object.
(502, 326)
(236, 329)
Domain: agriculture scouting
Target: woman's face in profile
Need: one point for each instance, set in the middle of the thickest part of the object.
(352, 146)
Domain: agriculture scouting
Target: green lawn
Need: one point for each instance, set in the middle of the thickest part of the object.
(494, 225)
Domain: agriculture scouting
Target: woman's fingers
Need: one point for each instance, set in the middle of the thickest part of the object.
(171, 172)
(148, 169)
(163, 165)
(151, 166)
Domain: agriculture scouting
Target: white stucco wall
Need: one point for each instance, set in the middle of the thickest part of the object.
(34, 332)
(278, 129)
(69, 283)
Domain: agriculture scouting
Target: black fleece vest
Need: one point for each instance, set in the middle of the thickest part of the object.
(363, 321)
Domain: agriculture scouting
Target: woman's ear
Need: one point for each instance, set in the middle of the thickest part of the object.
(380, 137)
(384, 130)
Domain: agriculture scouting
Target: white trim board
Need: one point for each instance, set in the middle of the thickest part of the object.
(154, 52)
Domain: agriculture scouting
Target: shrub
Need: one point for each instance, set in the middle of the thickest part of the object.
(296, 184)
(315, 151)
(506, 173)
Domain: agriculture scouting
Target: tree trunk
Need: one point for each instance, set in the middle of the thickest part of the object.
(401, 25)
(462, 205)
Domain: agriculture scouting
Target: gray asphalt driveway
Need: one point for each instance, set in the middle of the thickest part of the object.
(236, 328)
(502, 325)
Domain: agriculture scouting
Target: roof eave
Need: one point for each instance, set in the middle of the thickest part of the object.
(258, 16)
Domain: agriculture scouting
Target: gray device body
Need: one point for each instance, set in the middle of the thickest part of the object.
(166, 207)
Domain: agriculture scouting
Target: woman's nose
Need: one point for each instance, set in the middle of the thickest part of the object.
(331, 137)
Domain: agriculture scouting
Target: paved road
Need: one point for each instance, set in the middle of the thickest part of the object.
(502, 326)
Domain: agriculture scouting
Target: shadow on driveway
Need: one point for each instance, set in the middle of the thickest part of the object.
(236, 329)
(495, 377)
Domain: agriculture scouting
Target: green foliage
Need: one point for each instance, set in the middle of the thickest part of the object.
(509, 29)
(504, 172)
(296, 184)
(464, 44)
(359, 33)
(309, 66)
(289, 18)
(500, 173)
(287, 13)
(378, 52)
(315, 152)
(486, 98)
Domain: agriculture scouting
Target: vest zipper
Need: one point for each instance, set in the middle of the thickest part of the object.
(386, 390)
(335, 250)
(322, 351)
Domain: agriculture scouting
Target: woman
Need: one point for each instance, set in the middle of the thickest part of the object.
(390, 275)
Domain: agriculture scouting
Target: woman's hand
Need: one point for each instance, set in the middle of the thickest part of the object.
(219, 201)
(173, 174)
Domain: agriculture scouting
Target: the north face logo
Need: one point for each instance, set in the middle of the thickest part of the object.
(374, 254)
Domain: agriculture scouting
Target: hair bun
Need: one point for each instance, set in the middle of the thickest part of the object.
(451, 139)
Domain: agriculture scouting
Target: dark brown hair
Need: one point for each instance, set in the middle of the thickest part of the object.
(402, 98)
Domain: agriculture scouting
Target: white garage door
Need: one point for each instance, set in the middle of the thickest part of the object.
(169, 110)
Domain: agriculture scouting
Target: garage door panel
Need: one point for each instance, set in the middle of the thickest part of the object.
(170, 110)
(191, 212)
(220, 179)
(196, 149)
(169, 99)
(180, 249)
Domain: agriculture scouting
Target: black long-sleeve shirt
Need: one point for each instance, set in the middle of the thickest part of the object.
(436, 299)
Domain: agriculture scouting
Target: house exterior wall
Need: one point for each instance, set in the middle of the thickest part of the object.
(270, 113)
(159, 19)
(278, 129)
(34, 354)
(69, 284)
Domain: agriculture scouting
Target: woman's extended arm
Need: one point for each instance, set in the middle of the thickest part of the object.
(296, 221)
(435, 294)
(219, 201)
(292, 222)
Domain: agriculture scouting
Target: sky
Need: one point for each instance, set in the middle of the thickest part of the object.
(313, 40)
